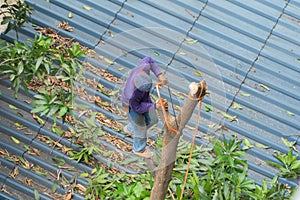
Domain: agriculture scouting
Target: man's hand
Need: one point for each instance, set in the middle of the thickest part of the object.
(164, 103)
(125, 107)
(162, 79)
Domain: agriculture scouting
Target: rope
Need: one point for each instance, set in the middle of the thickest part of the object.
(193, 142)
(164, 111)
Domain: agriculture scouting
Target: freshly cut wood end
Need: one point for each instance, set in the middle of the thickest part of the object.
(195, 88)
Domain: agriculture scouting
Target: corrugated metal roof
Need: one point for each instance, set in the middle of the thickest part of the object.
(247, 52)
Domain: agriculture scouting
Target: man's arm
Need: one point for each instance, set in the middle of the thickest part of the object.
(155, 69)
(138, 105)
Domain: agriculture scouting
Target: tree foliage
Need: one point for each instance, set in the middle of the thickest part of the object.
(15, 15)
(40, 61)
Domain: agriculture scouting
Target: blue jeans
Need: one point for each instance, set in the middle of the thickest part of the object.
(139, 124)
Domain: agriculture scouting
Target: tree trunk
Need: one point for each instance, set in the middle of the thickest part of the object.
(163, 172)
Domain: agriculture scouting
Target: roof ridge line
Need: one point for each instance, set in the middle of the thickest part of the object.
(112, 21)
(186, 35)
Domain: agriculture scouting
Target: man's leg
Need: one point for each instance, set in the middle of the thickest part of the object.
(138, 124)
(151, 118)
(128, 128)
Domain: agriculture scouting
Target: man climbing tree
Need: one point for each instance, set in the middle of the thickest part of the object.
(137, 103)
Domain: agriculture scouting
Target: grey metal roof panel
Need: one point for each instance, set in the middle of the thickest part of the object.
(246, 13)
(257, 29)
(134, 13)
(293, 9)
(185, 11)
(266, 8)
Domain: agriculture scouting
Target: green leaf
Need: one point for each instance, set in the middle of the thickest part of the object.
(156, 53)
(38, 96)
(104, 103)
(82, 106)
(112, 93)
(63, 111)
(290, 113)
(36, 195)
(53, 110)
(208, 108)
(21, 69)
(237, 106)
(230, 117)
(38, 119)
(15, 140)
(39, 109)
(60, 161)
(107, 153)
(245, 95)
(57, 130)
(38, 63)
(129, 160)
(54, 186)
(295, 165)
(40, 172)
(39, 102)
(94, 171)
(259, 145)
(84, 174)
(247, 143)
(138, 189)
(53, 99)
(26, 147)
(22, 160)
(264, 86)
(288, 143)
(12, 107)
(6, 20)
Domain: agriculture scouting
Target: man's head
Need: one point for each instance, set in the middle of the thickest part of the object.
(143, 82)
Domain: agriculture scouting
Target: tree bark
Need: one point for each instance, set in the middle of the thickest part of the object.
(163, 172)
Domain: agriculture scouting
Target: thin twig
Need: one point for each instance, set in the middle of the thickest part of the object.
(171, 193)
(186, 10)
(56, 144)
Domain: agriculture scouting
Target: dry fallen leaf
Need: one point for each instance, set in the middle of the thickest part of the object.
(87, 7)
(237, 106)
(245, 95)
(197, 73)
(182, 53)
(37, 118)
(81, 187)
(15, 172)
(264, 86)
(18, 124)
(190, 41)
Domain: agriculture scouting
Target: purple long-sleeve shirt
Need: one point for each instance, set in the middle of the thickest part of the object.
(140, 101)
